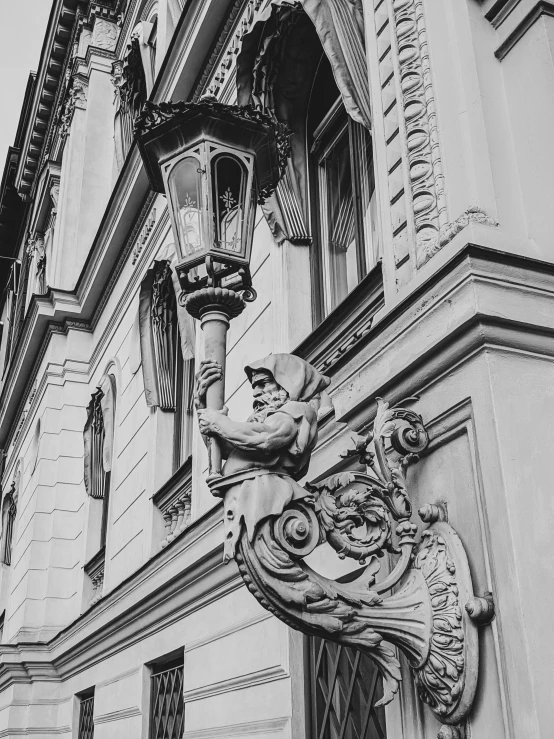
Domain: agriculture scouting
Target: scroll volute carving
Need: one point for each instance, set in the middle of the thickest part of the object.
(419, 607)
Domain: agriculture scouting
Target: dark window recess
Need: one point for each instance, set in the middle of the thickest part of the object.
(184, 416)
(86, 717)
(153, 43)
(167, 710)
(9, 514)
(342, 186)
(13, 290)
(345, 685)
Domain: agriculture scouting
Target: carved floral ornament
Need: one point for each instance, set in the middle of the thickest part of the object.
(424, 606)
(76, 97)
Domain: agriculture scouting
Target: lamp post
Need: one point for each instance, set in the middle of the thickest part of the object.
(214, 162)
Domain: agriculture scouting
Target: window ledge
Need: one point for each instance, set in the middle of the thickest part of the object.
(94, 568)
(344, 328)
(173, 500)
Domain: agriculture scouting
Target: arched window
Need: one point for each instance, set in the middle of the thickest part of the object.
(342, 193)
(152, 44)
(9, 513)
(295, 65)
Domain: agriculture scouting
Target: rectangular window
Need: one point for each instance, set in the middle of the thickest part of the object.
(184, 412)
(344, 206)
(86, 716)
(345, 686)
(167, 710)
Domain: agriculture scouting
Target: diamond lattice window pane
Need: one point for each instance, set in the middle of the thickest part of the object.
(345, 688)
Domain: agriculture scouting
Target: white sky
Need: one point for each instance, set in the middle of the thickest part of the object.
(23, 28)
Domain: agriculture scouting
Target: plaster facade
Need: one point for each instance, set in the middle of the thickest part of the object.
(458, 312)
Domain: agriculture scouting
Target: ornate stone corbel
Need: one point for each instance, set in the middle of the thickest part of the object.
(423, 606)
(76, 97)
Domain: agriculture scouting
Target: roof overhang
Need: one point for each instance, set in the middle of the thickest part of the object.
(52, 60)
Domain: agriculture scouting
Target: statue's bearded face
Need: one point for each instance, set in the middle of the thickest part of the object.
(268, 395)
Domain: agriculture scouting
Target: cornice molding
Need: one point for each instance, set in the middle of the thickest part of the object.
(52, 66)
(219, 47)
(129, 20)
(196, 32)
(413, 344)
(38, 329)
(340, 334)
(232, 629)
(240, 682)
(124, 255)
(119, 217)
(255, 728)
(496, 11)
(59, 310)
(123, 713)
(543, 7)
(140, 606)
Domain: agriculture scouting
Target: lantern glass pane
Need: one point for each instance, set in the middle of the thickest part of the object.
(186, 186)
(229, 178)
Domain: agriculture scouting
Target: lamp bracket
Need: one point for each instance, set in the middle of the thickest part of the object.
(419, 607)
(230, 276)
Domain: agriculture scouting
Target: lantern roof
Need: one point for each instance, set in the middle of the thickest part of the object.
(166, 129)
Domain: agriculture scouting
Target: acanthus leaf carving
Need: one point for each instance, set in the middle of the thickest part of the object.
(76, 97)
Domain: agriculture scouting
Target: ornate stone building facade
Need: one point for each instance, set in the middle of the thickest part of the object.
(406, 254)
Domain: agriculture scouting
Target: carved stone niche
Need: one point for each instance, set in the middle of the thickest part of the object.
(419, 607)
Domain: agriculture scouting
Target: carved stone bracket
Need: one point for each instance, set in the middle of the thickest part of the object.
(76, 97)
(173, 500)
(423, 607)
(95, 570)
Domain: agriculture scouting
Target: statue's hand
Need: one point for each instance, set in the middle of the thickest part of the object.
(209, 420)
(208, 373)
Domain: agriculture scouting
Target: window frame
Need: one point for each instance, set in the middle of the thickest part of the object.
(327, 135)
(320, 725)
(184, 410)
(162, 666)
(9, 516)
(85, 699)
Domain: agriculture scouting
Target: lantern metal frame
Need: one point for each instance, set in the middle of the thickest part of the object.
(206, 151)
(170, 133)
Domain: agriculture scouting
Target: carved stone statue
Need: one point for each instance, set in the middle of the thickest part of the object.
(272, 523)
(268, 453)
